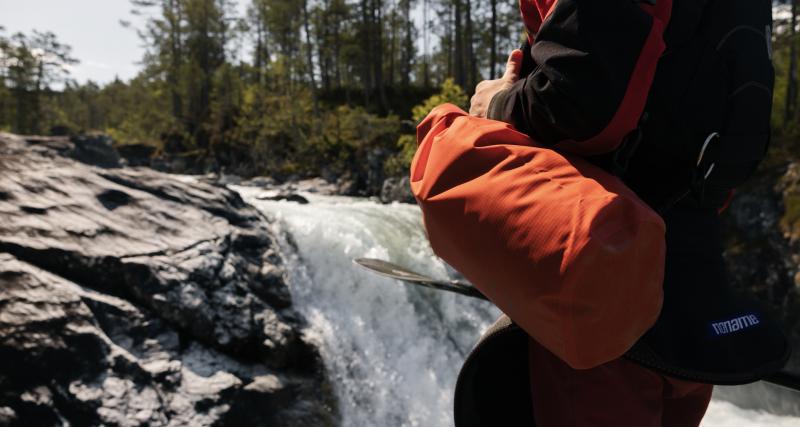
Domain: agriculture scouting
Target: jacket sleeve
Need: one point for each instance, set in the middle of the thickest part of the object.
(593, 64)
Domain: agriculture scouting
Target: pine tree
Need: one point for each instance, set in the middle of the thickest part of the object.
(790, 109)
(31, 66)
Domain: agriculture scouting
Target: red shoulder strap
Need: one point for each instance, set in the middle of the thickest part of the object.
(534, 13)
(630, 110)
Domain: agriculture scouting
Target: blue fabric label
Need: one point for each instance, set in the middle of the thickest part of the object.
(737, 324)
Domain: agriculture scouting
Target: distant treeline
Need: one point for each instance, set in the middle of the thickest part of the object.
(293, 87)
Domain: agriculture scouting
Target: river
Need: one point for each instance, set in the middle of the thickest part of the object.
(392, 351)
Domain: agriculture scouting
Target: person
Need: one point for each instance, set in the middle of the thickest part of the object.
(555, 97)
(614, 394)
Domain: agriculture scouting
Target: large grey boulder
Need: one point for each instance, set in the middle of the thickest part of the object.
(131, 297)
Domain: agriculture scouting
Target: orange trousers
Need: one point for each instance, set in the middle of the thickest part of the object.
(617, 394)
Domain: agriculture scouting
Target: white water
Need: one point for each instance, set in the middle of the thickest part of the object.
(393, 352)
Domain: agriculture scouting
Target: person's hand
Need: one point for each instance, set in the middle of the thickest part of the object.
(487, 89)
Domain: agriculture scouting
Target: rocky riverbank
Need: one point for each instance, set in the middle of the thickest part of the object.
(368, 180)
(131, 297)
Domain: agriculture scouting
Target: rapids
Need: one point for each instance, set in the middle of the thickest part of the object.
(393, 351)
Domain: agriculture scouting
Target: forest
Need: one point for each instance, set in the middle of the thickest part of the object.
(292, 89)
(287, 89)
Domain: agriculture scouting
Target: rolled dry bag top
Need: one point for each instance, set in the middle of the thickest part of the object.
(564, 248)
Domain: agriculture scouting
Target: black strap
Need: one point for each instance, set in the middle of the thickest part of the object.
(740, 148)
(621, 160)
(707, 160)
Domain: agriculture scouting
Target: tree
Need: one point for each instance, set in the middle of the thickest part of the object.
(206, 37)
(312, 82)
(6, 110)
(458, 46)
(493, 44)
(408, 51)
(30, 67)
(790, 109)
(426, 77)
(165, 39)
(470, 61)
(187, 41)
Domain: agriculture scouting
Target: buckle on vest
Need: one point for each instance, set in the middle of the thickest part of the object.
(702, 172)
(713, 136)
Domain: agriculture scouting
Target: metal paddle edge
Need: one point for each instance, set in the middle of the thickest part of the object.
(394, 271)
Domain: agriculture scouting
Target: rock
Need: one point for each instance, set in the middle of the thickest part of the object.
(45, 329)
(312, 185)
(7, 416)
(95, 150)
(315, 186)
(375, 175)
(259, 181)
(275, 295)
(280, 195)
(265, 384)
(183, 162)
(136, 154)
(762, 252)
(229, 179)
(60, 145)
(346, 186)
(397, 190)
(133, 297)
(291, 190)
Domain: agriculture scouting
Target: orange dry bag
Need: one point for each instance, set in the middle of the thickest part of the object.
(564, 248)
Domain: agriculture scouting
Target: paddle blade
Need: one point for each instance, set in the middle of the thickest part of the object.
(394, 271)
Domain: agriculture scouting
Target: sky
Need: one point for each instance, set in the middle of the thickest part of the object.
(106, 49)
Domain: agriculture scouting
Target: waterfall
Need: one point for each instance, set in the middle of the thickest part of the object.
(393, 351)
